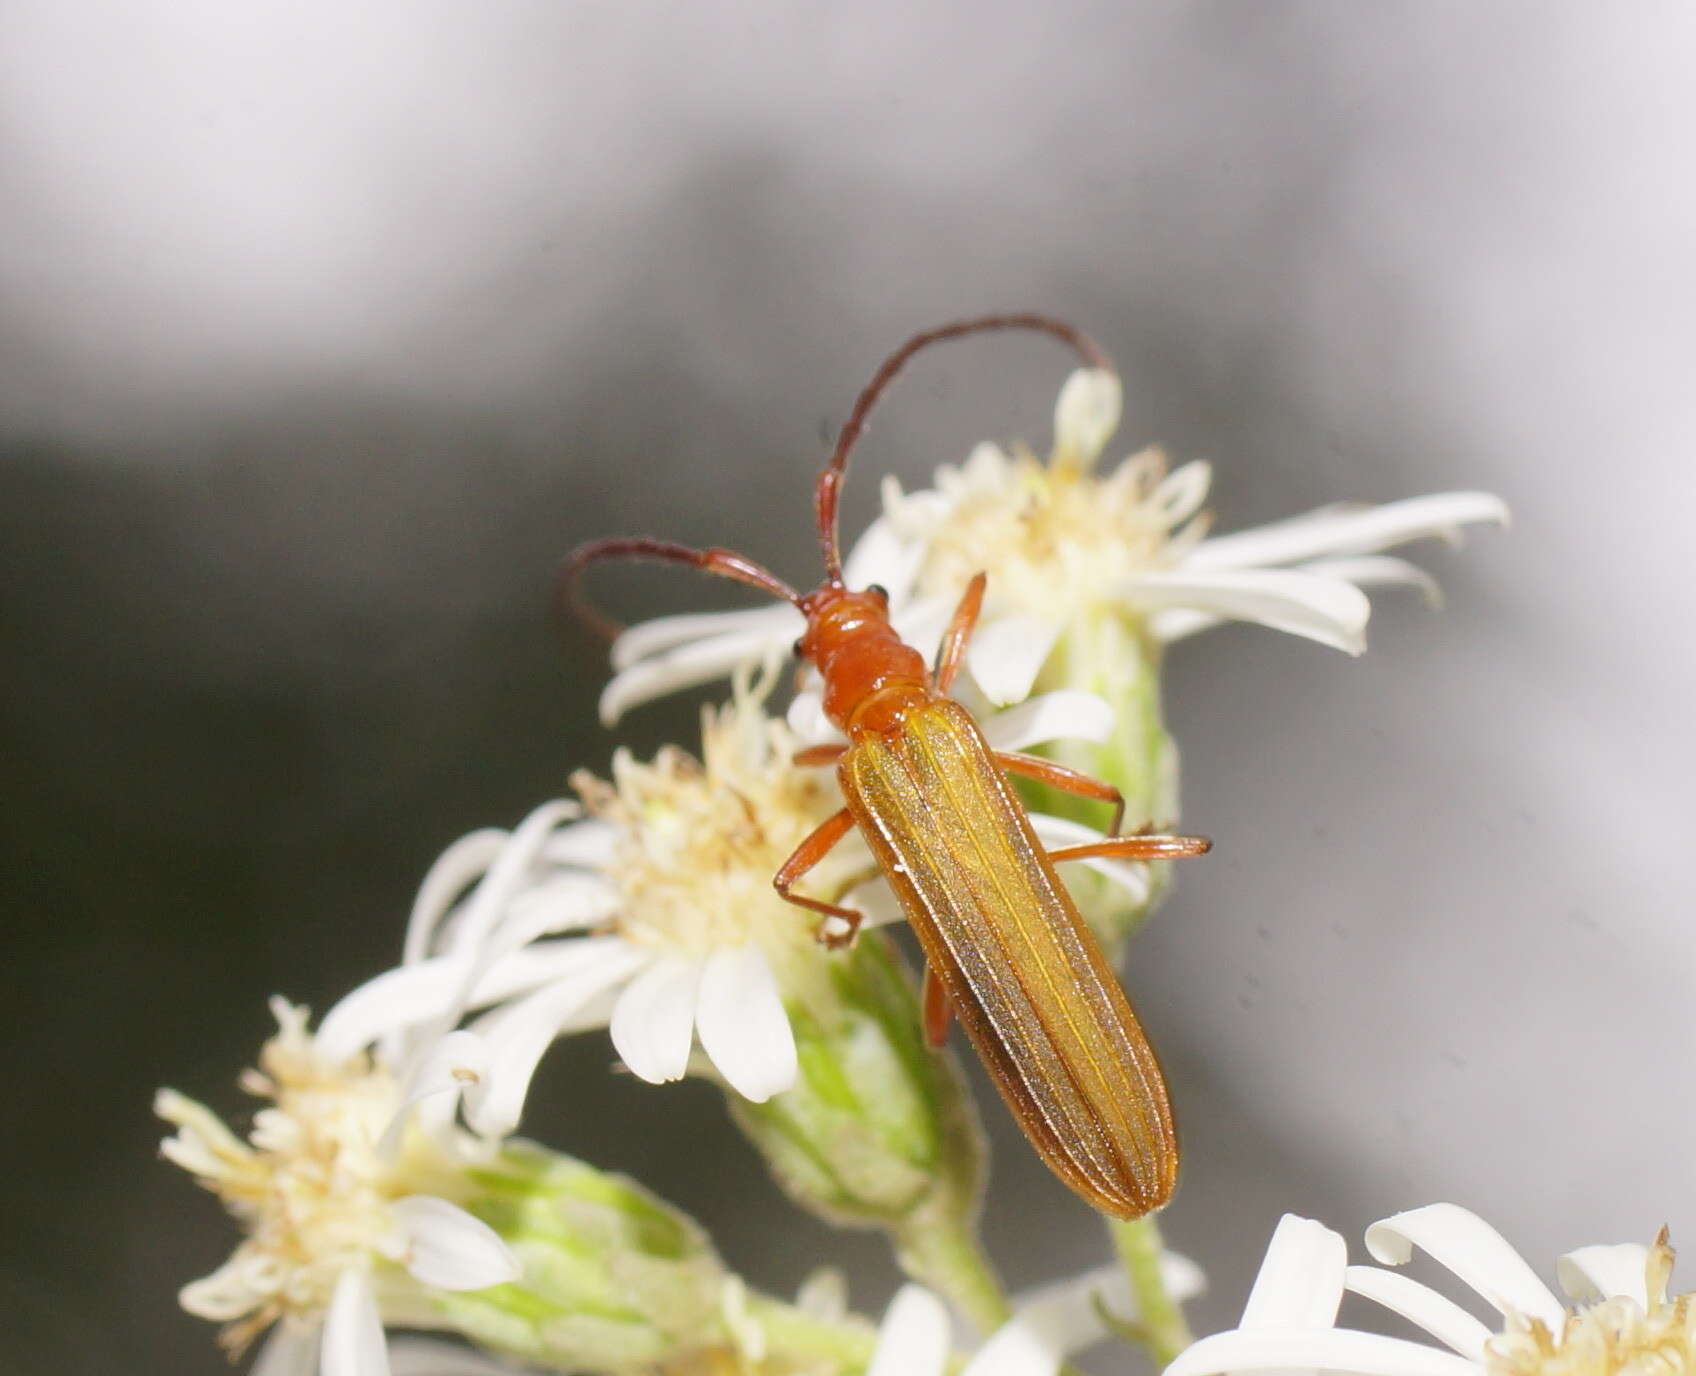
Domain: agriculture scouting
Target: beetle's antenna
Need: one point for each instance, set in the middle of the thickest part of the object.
(828, 491)
(568, 589)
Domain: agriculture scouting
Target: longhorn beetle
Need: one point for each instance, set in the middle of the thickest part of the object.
(1005, 948)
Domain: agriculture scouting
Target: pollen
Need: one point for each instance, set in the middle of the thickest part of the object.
(1616, 1337)
(311, 1186)
(700, 839)
(1056, 533)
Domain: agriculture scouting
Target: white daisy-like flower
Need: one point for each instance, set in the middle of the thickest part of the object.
(653, 915)
(1057, 1321)
(346, 1214)
(1049, 1325)
(1061, 543)
(1618, 1318)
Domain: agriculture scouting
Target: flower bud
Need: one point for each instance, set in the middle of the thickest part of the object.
(614, 1280)
(1111, 653)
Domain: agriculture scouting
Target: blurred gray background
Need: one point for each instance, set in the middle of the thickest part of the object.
(326, 329)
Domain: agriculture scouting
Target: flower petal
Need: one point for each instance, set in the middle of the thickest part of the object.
(389, 1003)
(589, 844)
(921, 624)
(646, 639)
(807, 720)
(455, 1063)
(509, 871)
(1378, 571)
(1437, 1314)
(1324, 609)
(885, 556)
(291, 1349)
(1349, 530)
(223, 1296)
(571, 900)
(485, 926)
(1006, 654)
(699, 661)
(1474, 1251)
(1326, 1349)
(465, 861)
(913, 1338)
(1066, 714)
(353, 1331)
(518, 1033)
(1600, 1273)
(1364, 571)
(743, 1027)
(1182, 491)
(1300, 1283)
(653, 1022)
(445, 1247)
(1055, 1321)
(1085, 417)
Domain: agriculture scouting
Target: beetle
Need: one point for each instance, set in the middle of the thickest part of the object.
(1006, 950)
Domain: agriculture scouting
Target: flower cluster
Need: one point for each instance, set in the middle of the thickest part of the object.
(1620, 1319)
(1066, 545)
(340, 1199)
(382, 1185)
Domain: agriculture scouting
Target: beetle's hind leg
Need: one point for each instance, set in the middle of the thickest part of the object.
(1139, 847)
(818, 844)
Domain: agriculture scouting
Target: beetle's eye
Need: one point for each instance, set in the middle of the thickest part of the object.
(880, 592)
(796, 647)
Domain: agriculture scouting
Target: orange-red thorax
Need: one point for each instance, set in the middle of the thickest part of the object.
(872, 678)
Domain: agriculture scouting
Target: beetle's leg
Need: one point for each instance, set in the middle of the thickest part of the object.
(937, 1010)
(818, 755)
(1068, 780)
(951, 654)
(1141, 847)
(819, 844)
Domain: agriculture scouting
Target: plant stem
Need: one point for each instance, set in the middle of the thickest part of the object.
(945, 1254)
(1159, 1320)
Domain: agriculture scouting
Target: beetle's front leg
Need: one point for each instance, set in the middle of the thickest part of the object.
(813, 756)
(951, 654)
(818, 844)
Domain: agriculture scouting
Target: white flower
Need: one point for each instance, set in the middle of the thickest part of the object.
(654, 916)
(1620, 1319)
(336, 1204)
(1049, 1324)
(1052, 1323)
(1060, 543)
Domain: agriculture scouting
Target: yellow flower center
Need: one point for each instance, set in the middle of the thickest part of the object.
(699, 840)
(1616, 1337)
(312, 1186)
(1057, 536)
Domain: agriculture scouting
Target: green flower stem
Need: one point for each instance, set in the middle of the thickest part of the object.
(800, 1338)
(945, 1254)
(1159, 1323)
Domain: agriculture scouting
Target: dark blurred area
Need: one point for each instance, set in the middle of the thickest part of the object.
(324, 335)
